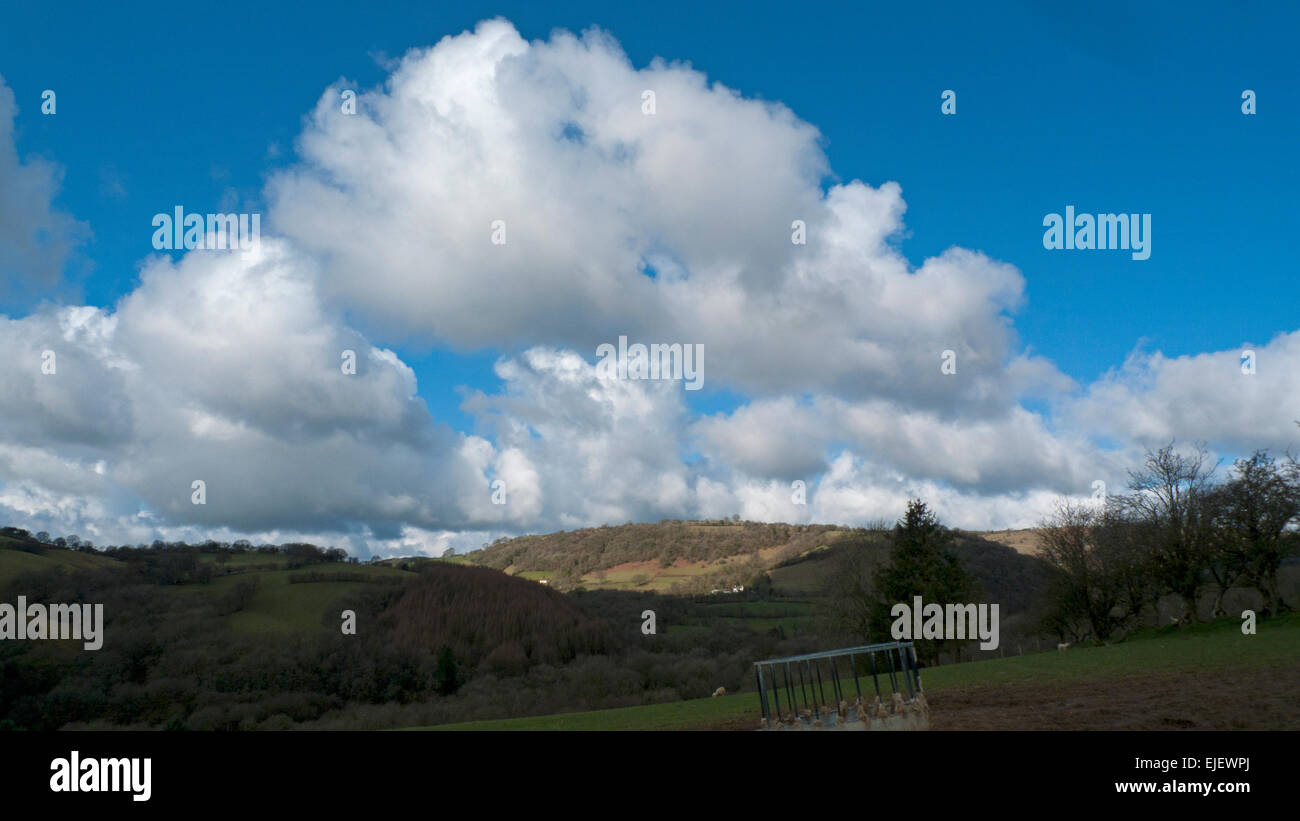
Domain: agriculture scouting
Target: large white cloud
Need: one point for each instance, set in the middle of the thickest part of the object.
(223, 368)
(551, 138)
(1153, 398)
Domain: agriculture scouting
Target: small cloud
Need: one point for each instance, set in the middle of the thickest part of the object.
(382, 60)
(111, 184)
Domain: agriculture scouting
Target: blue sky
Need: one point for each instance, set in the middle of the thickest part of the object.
(1107, 108)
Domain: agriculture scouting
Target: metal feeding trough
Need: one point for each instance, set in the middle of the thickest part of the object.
(793, 690)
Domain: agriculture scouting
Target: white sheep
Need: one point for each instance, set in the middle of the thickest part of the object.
(721, 691)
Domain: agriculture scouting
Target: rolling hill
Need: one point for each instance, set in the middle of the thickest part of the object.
(700, 557)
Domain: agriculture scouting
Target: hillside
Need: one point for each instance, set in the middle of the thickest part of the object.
(699, 557)
(482, 614)
(1026, 540)
(205, 637)
(793, 562)
(678, 549)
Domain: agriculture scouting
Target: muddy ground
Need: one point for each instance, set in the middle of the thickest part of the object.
(1253, 699)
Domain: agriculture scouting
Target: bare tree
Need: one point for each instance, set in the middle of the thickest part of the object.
(1087, 587)
(1169, 504)
(1253, 512)
(1127, 544)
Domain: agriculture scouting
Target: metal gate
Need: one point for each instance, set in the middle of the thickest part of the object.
(793, 690)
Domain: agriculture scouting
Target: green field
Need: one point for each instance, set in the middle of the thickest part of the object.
(235, 561)
(803, 578)
(758, 609)
(13, 562)
(281, 607)
(1216, 645)
(276, 607)
(759, 616)
(659, 579)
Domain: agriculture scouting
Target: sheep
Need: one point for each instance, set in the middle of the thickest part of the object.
(1063, 646)
(919, 717)
(721, 691)
(894, 718)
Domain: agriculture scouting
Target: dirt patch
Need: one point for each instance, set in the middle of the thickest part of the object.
(738, 724)
(1254, 699)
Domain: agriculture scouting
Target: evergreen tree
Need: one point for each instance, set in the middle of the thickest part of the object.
(921, 564)
(447, 677)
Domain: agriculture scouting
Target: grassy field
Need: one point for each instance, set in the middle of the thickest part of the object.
(658, 579)
(277, 606)
(759, 616)
(13, 562)
(803, 578)
(281, 607)
(1204, 648)
(240, 560)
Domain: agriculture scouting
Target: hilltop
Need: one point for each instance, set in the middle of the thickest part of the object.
(692, 558)
(671, 556)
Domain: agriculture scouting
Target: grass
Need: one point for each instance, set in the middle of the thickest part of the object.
(237, 560)
(789, 624)
(759, 616)
(13, 562)
(759, 609)
(677, 715)
(658, 579)
(1212, 646)
(277, 606)
(281, 607)
(803, 578)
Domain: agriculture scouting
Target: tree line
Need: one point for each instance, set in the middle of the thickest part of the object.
(1180, 532)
